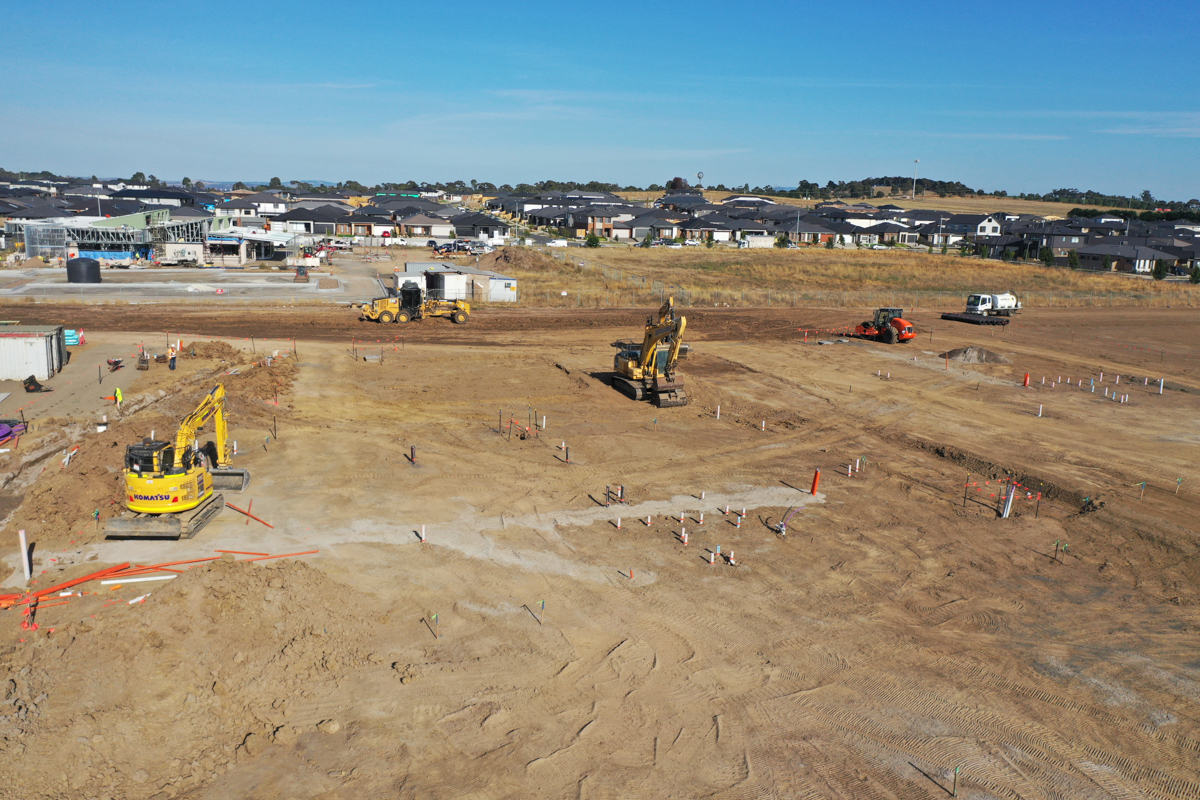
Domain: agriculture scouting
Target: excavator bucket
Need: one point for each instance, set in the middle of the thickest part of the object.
(668, 394)
(671, 399)
(227, 479)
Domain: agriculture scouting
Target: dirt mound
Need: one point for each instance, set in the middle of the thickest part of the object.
(975, 355)
(167, 694)
(519, 258)
(219, 350)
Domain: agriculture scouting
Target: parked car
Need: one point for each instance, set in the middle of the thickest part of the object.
(675, 246)
(880, 247)
(431, 243)
(556, 243)
(691, 242)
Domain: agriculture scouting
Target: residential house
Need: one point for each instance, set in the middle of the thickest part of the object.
(425, 225)
(473, 225)
(242, 211)
(893, 232)
(973, 224)
(321, 220)
(1125, 258)
(156, 197)
(803, 232)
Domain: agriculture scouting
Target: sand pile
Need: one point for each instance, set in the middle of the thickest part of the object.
(213, 668)
(975, 355)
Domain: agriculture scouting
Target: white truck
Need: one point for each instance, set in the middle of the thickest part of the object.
(993, 305)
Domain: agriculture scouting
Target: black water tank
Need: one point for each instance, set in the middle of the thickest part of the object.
(83, 270)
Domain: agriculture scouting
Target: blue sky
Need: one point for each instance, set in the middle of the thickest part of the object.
(1017, 96)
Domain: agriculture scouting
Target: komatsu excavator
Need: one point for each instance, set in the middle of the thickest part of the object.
(648, 371)
(170, 487)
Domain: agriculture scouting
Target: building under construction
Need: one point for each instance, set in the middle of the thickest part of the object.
(149, 236)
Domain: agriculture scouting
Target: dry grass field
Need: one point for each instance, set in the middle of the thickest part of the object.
(978, 204)
(624, 276)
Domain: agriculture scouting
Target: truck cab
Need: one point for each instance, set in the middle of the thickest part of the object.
(979, 304)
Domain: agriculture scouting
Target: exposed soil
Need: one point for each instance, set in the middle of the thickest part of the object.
(974, 355)
(900, 629)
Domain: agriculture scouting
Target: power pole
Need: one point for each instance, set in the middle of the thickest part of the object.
(914, 193)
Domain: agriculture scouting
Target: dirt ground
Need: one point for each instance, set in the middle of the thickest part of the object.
(900, 629)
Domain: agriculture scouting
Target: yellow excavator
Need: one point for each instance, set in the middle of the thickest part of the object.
(647, 371)
(171, 487)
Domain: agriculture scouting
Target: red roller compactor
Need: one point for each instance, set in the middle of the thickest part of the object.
(888, 326)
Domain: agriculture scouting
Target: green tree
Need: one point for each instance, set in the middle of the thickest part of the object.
(1047, 256)
(945, 247)
(841, 240)
(153, 181)
(1107, 267)
(781, 241)
(1006, 254)
(1194, 275)
(199, 186)
(275, 184)
(240, 187)
(187, 183)
(709, 241)
(1147, 196)
(985, 251)
(138, 177)
(1160, 269)
(592, 240)
(1073, 259)
(829, 243)
(649, 238)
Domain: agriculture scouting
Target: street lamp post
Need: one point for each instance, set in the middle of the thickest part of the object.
(914, 192)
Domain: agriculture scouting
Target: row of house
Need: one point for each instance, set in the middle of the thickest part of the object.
(265, 219)
(1104, 242)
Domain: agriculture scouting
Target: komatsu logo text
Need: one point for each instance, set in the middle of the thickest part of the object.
(152, 497)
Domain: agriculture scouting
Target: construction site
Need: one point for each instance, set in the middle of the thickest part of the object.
(787, 552)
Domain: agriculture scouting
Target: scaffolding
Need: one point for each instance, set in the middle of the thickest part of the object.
(51, 239)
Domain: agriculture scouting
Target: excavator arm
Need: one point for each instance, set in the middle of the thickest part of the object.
(211, 407)
(670, 332)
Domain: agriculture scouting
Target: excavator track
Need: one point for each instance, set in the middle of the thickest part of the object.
(185, 525)
(631, 390)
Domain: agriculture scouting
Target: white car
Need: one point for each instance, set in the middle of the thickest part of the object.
(880, 247)
(675, 246)
(691, 242)
(556, 243)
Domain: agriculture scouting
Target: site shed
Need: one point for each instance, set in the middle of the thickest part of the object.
(503, 289)
(37, 350)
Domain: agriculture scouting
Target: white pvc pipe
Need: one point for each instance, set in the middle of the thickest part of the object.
(24, 556)
(139, 580)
